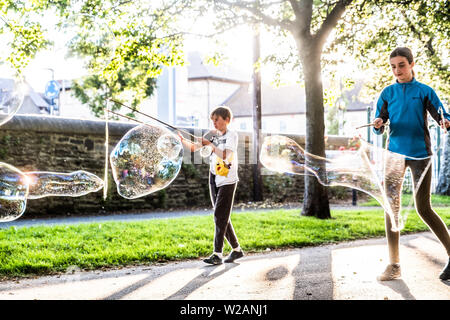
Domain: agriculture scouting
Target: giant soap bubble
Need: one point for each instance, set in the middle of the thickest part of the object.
(12, 93)
(16, 187)
(358, 165)
(147, 159)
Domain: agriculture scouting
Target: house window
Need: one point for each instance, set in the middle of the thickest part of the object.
(264, 125)
(243, 126)
(282, 126)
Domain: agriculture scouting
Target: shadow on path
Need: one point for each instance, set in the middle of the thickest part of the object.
(313, 275)
(400, 287)
(199, 281)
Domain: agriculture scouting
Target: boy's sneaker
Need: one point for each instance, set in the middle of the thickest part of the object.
(445, 274)
(213, 259)
(392, 272)
(233, 256)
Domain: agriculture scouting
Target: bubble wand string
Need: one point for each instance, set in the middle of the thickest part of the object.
(441, 111)
(153, 118)
(105, 177)
(127, 117)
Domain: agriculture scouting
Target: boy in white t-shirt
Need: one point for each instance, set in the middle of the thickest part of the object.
(223, 178)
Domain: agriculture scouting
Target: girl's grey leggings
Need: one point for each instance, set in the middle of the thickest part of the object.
(423, 206)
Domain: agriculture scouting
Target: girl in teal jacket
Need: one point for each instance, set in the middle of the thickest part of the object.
(406, 105)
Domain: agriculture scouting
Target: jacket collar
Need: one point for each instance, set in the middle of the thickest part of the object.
(413, 81)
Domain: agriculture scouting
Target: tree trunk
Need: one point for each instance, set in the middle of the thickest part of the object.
(315, 202)
(443, 186)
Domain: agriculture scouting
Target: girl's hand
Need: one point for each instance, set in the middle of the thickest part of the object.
(446, 123)
(378, 123)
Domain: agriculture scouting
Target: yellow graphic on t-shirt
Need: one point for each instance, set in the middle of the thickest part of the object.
(222, 168)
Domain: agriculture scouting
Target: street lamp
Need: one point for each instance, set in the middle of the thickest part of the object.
(52, 90)
(52, 71)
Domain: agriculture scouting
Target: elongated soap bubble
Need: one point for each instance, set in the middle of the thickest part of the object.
(13, 192)
(358, 165)
(147, 159)
(75, 184)
(12, 93)
(16, 187)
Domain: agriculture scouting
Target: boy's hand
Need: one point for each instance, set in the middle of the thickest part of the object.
(205, 142)
(378, 123)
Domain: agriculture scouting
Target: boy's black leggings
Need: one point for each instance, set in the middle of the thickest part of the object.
(222, 200)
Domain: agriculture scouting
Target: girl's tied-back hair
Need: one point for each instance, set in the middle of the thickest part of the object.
(403, 52)
(222, 111)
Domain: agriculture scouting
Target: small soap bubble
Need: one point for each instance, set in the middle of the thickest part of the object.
(205, 151)
(147, 159)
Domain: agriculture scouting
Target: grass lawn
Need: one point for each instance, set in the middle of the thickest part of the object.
(51, 249)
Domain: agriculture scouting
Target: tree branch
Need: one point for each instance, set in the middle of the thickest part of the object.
(331, 20)
(255, 11)
(303, 14)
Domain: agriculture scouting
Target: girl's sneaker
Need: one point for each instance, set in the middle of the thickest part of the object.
(392, 272)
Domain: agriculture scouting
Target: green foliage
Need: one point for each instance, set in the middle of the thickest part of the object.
(275, 184)
(189, 170)
(125, 58)
(161, 199)
(370, 32)
(125, 44)
(21, 37)
(333, 121)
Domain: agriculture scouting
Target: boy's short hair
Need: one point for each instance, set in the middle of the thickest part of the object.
(222, 111)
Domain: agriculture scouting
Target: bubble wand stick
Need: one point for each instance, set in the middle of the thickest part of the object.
(153, 118)
(365, 125)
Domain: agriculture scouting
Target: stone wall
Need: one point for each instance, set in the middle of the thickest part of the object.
(38, 143)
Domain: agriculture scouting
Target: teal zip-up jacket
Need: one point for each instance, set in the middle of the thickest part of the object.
(406, 106)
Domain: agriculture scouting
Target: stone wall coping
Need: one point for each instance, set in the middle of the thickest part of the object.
(44, 123)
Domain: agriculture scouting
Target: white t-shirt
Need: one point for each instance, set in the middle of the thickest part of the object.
(227, 141)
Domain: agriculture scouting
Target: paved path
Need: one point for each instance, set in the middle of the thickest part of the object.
(345, 271)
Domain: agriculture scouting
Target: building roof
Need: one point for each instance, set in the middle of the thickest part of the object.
(282, 100)
(275, 101)
(33, 101)
(199, 70)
